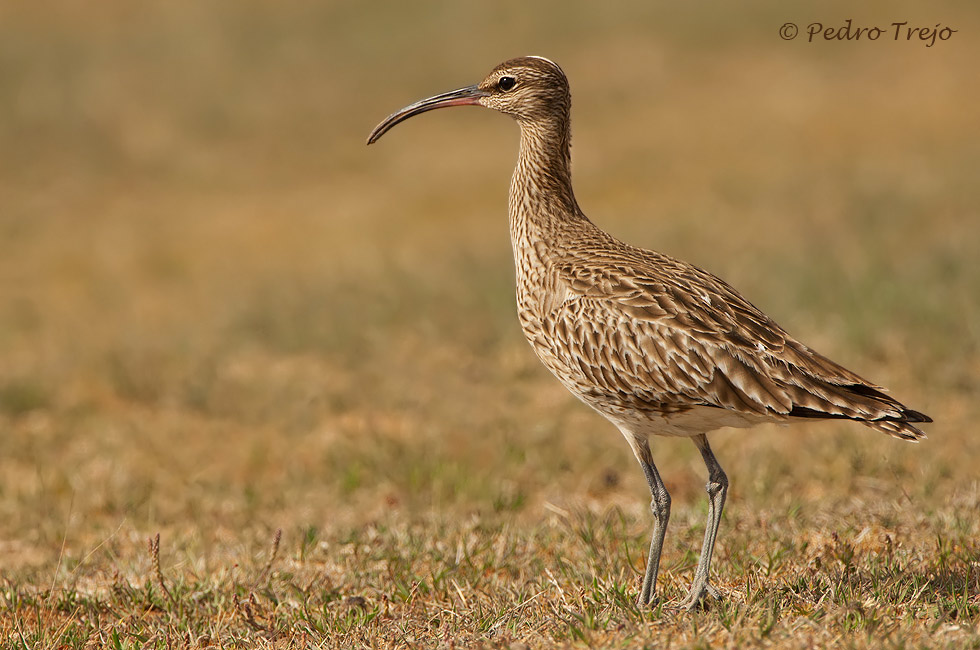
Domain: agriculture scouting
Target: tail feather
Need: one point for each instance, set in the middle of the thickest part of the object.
(899, 429)
(890, 416)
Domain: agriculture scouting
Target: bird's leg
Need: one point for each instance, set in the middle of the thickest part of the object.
(717, 489)
(660, 506)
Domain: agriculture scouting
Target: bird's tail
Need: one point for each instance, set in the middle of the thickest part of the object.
(867, 404)
(901, 427)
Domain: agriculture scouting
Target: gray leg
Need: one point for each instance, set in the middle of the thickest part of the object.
(660, 505)
(717, 488)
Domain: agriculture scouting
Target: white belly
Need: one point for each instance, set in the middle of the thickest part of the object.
(687, 423)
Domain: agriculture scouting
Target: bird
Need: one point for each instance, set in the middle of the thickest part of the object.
(657, 346)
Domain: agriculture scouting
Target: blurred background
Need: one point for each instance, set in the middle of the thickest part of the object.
(221, 313)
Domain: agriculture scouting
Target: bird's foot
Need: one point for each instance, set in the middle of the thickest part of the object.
(699, 596)
(650, 602)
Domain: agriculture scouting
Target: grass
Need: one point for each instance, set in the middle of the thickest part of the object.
(222, 316)
(482, 580)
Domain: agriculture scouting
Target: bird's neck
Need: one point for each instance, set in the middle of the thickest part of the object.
(542, 204)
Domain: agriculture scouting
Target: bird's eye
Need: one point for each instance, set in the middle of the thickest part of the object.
(506, 83)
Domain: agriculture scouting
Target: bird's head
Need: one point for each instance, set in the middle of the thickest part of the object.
(530, 89)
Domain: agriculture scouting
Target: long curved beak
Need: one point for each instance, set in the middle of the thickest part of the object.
(468, 96)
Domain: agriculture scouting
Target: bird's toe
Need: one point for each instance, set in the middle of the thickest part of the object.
(699, 598)
(650, 602)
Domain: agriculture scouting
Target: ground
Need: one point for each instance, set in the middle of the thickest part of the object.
(226, 322)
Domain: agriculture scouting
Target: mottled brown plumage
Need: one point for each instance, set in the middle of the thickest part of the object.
(656, 345)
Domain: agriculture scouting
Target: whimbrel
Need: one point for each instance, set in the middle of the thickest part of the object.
(656, 345)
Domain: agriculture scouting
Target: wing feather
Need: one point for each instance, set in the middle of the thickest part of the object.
(655, 330)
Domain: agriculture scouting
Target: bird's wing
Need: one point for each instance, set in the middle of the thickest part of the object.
(674, 334)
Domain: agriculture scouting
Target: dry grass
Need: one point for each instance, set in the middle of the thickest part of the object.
(221, 316)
